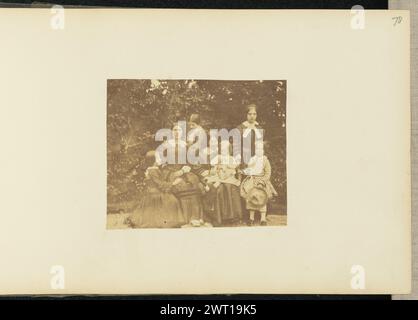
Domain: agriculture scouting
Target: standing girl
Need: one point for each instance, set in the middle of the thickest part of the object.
(186, 184)
(222, 177)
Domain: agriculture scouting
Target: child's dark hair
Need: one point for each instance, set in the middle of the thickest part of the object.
(195, 118)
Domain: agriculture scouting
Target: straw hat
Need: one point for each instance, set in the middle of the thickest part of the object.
(257, 197)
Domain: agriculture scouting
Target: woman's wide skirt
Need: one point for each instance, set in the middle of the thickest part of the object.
(158, 210)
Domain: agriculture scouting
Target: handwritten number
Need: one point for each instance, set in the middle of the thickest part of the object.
(397, 20)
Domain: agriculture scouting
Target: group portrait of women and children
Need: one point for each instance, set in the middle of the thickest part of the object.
(207, 177)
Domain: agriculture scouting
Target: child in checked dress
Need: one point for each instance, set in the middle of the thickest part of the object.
(256, 187)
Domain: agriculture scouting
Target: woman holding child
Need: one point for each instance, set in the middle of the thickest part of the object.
(256, 188)
(223, 178)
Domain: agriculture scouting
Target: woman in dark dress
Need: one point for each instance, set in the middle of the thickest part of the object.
(201, 165)
(158, 207)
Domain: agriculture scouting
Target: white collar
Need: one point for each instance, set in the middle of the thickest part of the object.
(247, 124)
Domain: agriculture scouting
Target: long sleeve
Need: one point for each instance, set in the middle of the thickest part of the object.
(267, 169)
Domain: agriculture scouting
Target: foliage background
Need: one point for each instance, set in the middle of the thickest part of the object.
(136, 109)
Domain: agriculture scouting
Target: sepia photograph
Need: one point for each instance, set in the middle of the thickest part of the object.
(196, 153)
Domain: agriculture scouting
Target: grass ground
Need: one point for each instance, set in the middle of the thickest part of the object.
(117, 221)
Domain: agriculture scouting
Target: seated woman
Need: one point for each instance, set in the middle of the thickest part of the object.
(158, 207)
(222, 177)
(250, 128)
